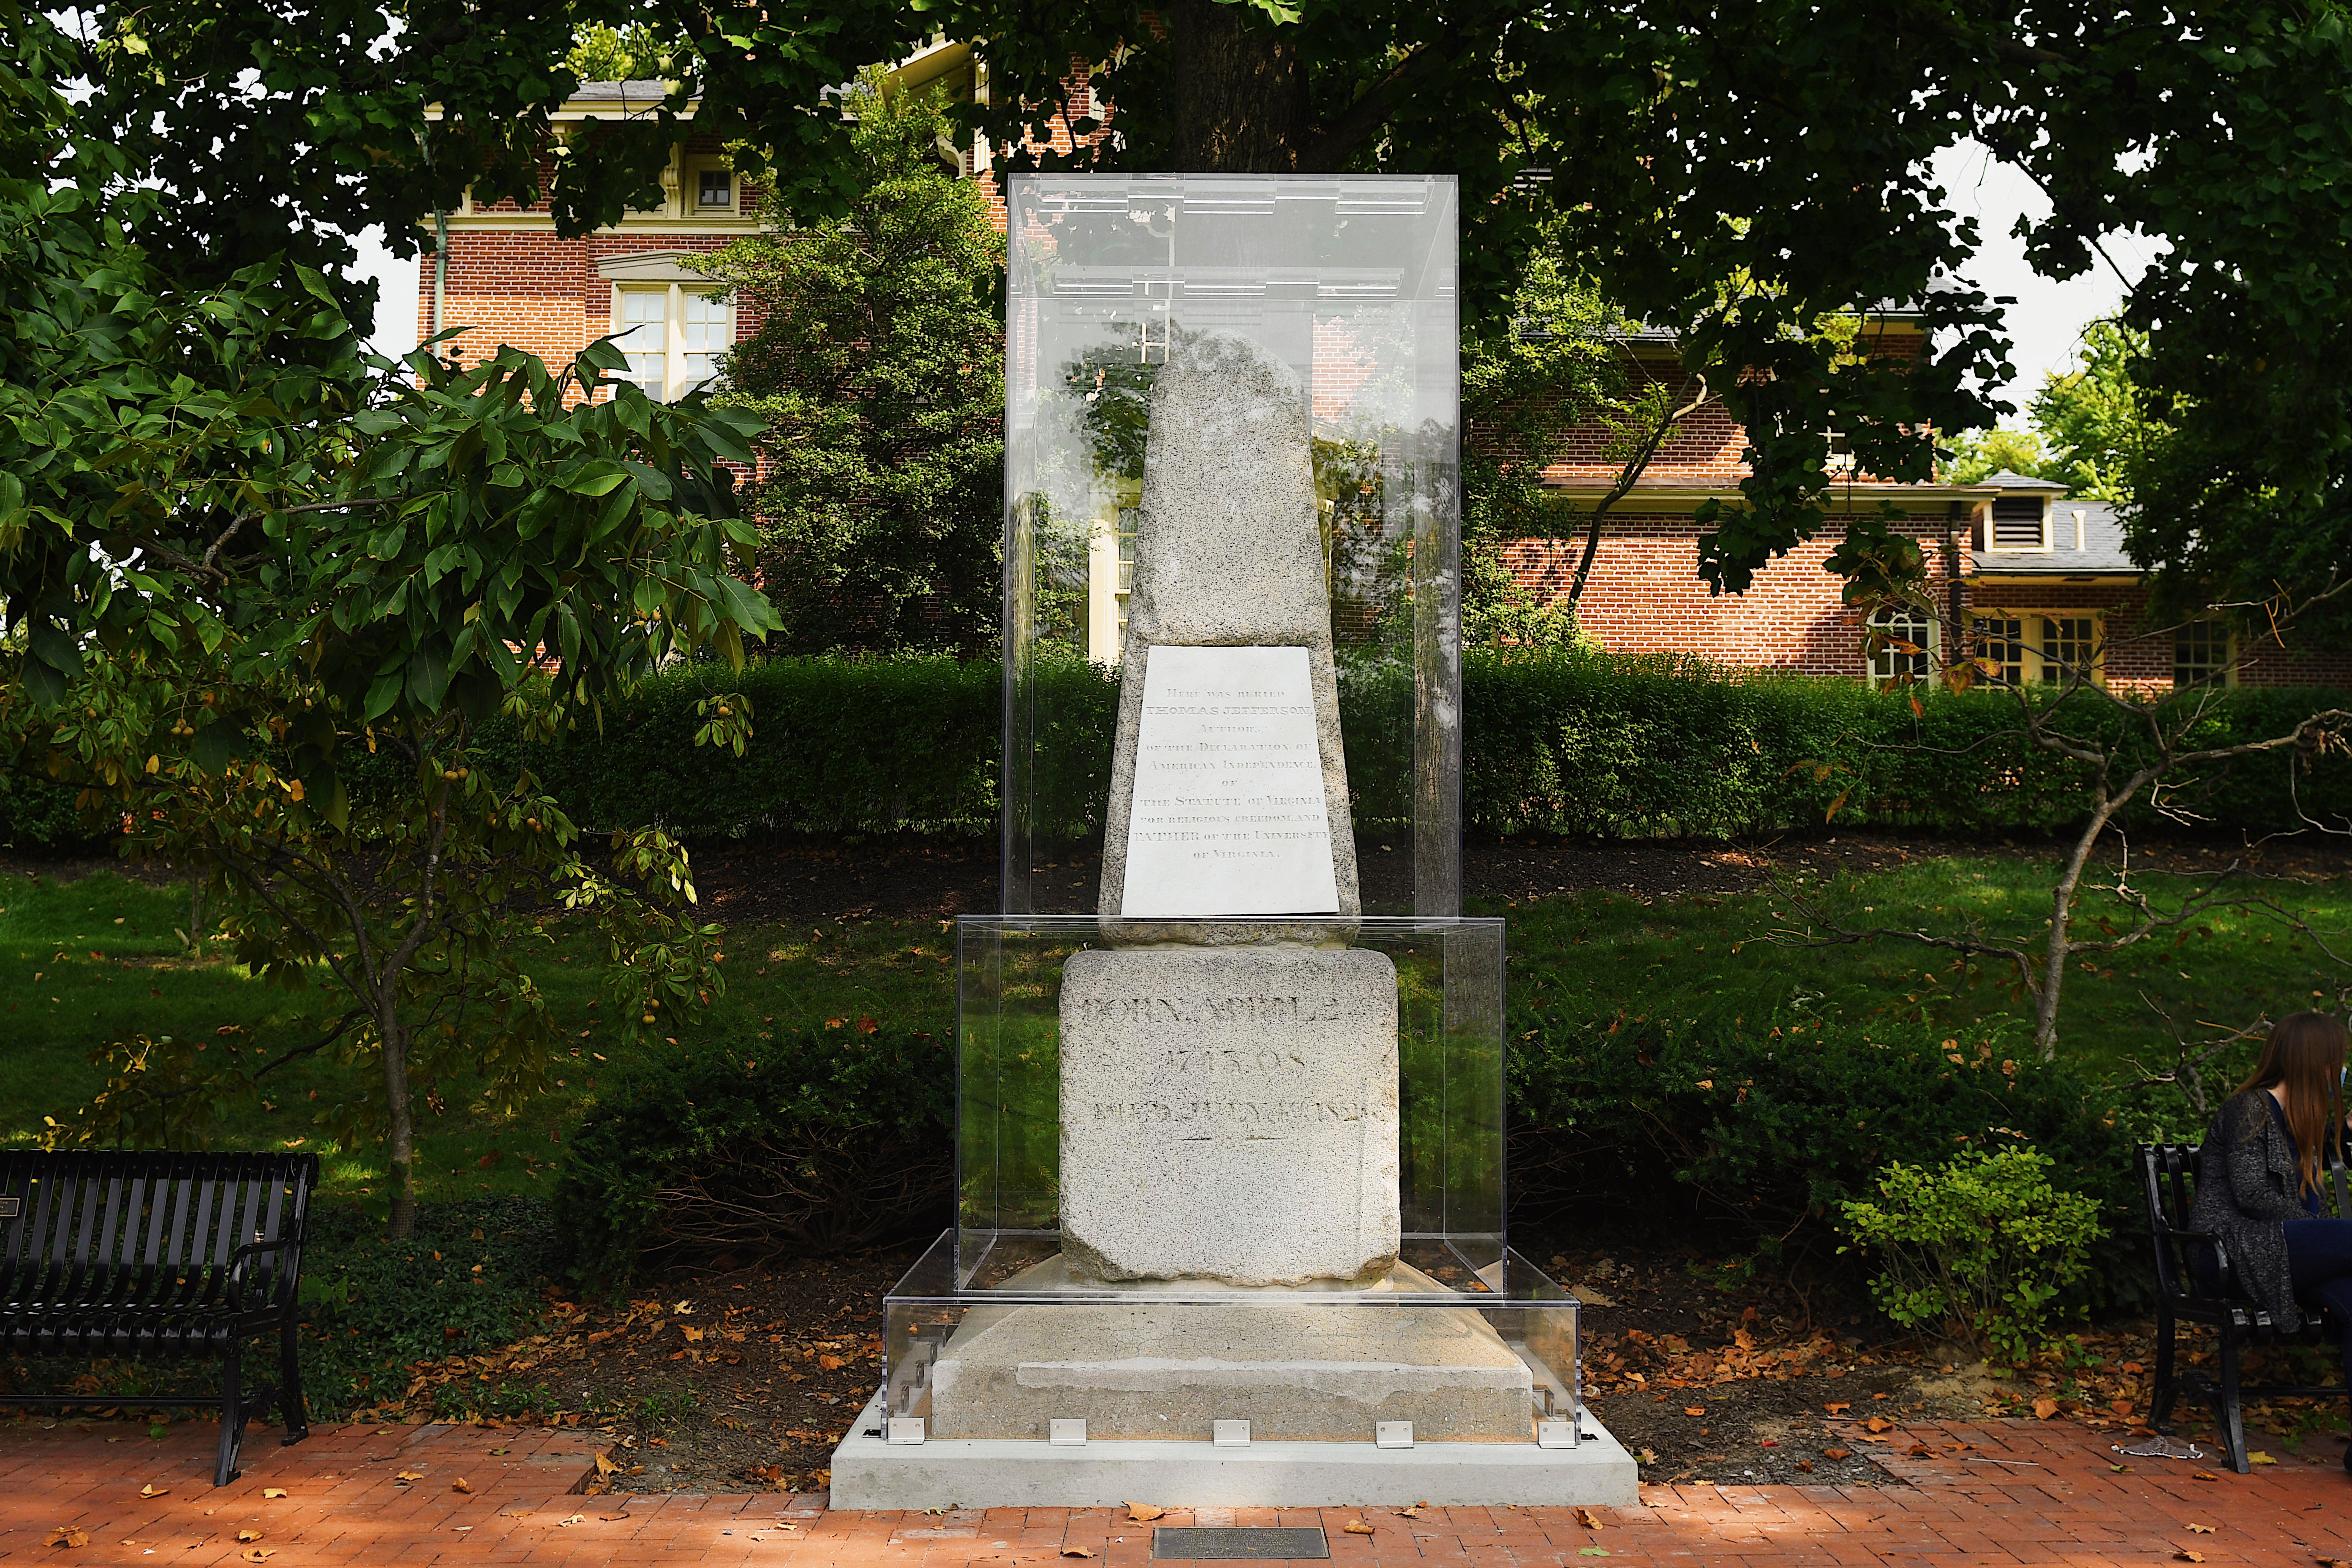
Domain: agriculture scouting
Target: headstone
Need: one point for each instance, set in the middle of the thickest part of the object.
(1230, 582)
(1230, 1114)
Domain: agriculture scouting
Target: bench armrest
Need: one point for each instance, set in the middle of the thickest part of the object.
(236, 1262)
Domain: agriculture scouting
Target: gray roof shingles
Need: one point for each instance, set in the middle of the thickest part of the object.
(2101, 554)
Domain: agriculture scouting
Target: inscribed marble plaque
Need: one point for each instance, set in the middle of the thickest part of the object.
(1229, 814)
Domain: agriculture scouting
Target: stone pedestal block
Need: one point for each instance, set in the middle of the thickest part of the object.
(1230, 1114)
(1165, 1370)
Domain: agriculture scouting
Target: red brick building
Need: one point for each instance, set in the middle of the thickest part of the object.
(2028, 580)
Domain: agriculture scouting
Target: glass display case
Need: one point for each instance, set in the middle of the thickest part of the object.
(1350, 281)
(995, 1333)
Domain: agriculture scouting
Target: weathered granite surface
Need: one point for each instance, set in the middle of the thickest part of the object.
(1229, 1113)
(1228, 551)
(1161, 1370)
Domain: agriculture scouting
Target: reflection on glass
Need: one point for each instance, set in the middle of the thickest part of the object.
(1350, 280)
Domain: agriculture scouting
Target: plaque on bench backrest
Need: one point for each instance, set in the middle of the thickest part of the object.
(1229, 815)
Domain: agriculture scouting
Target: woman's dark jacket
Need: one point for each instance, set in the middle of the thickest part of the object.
(2249, 1185)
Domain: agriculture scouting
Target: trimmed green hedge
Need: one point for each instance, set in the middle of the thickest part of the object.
(1565, 743)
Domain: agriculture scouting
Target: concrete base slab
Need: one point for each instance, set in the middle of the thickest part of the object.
(868, 1471)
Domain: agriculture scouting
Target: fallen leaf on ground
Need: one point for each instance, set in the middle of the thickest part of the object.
(66, 1535)
(1838, 1407)
(1413, 1512)
(2200, 1530)
(576, 1519)
(1592, 1551)
(1837, 1453)
(1143, 1512)
(248, 1535)
(2121, 1469)
(1077, 1551)
(459, 1485)
(152, 1489)
(258, 1554)
(1920, 1451)
(273, 1491)
(1693, 1409)
(409, 1475)
(1879, 1423)
(2196, 1475)
(604, 1466)
(609, 1518)
(1806, 1466)
(1590, 1520)
(2044, 1408)
(2259, 1457)
(1357, 1527)
(2185, 1555)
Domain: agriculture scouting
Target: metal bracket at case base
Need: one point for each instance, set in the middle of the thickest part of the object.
(1556, 1434)
(905, 1428)
(1392, 1434)
(1229, 1434)
(1066, 1432)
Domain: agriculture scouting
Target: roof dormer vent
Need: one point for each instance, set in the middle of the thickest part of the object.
(2018, 524)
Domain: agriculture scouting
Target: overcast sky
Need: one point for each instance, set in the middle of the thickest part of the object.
(2046, 322)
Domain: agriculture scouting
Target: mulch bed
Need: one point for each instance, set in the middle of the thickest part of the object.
(704, 1381)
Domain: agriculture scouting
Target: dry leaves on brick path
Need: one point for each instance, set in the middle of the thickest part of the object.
(1076, 1551)
(1879, 1423)
(1590, 1520)
(273, 1491)
(67, 1535)
(152, 1489)
(405, 1476)
(459, 1486)
(1357, 1527)
(1143, 1512)
(2200, 1530)
(1837, 1453)
(2185, 1555)
(258, 1554)
(576, 1519)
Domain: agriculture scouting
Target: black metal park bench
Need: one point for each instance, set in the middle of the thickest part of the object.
(158, 1255)
(2187, 1293)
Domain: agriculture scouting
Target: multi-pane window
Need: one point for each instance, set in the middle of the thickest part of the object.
(2001, 648)
(2070, 648)
(673, 337)
(641, 327)
(714, 189)
(2201, 655)
(2041, 650)
(2017, 524)
(1900, 645)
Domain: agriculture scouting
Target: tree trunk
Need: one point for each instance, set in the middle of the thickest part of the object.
(1242, 106)
(402, 1149)
(2062, 914)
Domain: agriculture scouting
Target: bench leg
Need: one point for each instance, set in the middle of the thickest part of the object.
(232, 1436)
(2168, 1389)
(2229, 1416)
(293, 1411)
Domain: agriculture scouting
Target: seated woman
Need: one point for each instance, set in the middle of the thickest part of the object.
(2258, 1180)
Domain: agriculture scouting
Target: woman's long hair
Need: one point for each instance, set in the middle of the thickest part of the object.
(2305, 1053)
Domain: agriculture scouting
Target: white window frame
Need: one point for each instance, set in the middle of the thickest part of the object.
(2036, 630)
(1885, 666)
(689, 187)
(2226, 676)
(674, 348)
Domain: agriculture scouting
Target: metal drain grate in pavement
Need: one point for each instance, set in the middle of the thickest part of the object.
(1214, 1544)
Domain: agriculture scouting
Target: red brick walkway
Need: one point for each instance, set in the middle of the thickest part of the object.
(2053, 1497)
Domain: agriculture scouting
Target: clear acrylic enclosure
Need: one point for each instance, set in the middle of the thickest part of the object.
(1449, 1059)
(1350, 282)
(993, 1336)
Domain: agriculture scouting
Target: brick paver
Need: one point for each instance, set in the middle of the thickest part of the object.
(2001, 1493)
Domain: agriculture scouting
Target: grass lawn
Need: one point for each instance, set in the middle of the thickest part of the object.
(1594, 955)
(96, 959)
